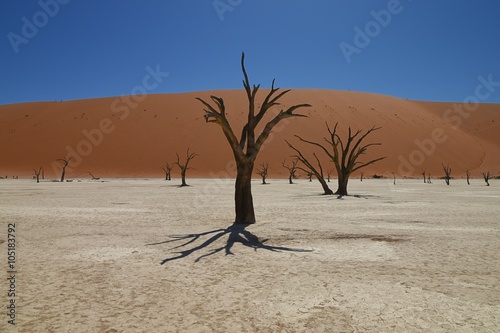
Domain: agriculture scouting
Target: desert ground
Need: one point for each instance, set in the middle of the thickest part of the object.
(143, 255)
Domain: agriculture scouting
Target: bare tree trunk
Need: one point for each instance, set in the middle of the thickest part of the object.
(342, 184)
(467, 173)
(326, 189)
(243, 195)
(65, 164)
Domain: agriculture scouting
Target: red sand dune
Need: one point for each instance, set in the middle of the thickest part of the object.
(123, 137)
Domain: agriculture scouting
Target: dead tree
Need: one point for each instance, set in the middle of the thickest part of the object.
(447, 172)
(487, 177)
(328, 175)
(263, 172)
(184, 167)
(429, 178)
(311, 169)
(38, 173)
(424, 174)
(167, 168)
(92, 177)
(394, 178)
(245, 149)
(309, 174)
(345, 156)
(467, 174)
(65, 162)
(291, 170)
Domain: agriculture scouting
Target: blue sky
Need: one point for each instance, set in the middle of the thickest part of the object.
(425, 50)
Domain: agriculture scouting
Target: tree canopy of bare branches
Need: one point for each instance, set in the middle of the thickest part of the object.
(38, 173)
(246, 148)
(487, 177)
(345, 155)
(311, 169)
(447, 173)
(65, 162)
(184, 166)
(167, 168)
(292, 169)
(263, 172)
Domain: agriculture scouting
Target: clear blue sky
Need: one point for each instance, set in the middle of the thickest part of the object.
(430, 50)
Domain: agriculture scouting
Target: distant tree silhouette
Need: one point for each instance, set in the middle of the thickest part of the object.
(424, 174)
(167, 168)
(291, 170)
(345, 154)
(394, 178)
(361, 176)
(429, 178)
(487, 177)
(263, 172)
(65, 162)
(246, 149)
(328, 175)
(467, 174)
(311, 169)
(184, 167)
(447, 173)
(37, 174)
(92, 177)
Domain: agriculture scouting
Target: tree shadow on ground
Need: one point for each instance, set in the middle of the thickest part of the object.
(237, 233)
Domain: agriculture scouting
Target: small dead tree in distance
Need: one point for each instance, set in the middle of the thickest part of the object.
(467, 174)
(291, 170)
(184, 167)
(328, 174)
(429, 178)
(423, 174)
(167, 168)
(263, 172)
(311, 169)
(245, 149)
(394, 178)
(37, 174)
(487, 177)
(93, 177)
(447, 172)
(345, 156)
(65, 162)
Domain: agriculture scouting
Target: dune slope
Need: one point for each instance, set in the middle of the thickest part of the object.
(133, 136)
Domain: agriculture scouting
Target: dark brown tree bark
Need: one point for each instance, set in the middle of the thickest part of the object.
(291, 170)
(37, 174)
(263, 172)
(345, 156)
(487, 177)
(184, 167)
(167, 168)
(318, 172)
(65, 162)
(245, 149)
(92, 177)
(447, 172)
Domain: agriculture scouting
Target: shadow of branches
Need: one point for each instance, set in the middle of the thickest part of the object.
(237, 233)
